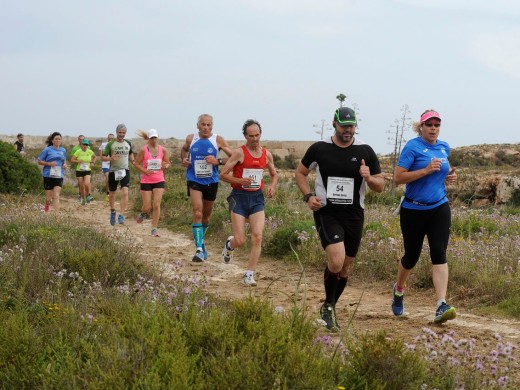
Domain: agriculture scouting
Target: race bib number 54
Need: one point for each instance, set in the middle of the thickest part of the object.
(340, 190)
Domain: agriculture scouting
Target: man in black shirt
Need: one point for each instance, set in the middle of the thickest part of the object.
(18, 144)
(345, 166)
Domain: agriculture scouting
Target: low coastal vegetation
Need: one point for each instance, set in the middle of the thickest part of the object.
(79, 310)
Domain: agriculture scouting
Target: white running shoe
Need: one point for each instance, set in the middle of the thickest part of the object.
(198, 257)
(227, 254)
(249, 280)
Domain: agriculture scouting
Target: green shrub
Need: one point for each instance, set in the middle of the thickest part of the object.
(374, 361)
(17, 174)
(278, 244)
(515, 198)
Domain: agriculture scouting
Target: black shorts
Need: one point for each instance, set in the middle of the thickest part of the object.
(151, 186)
(83, 173)
(112, 183)
(50, 182)
(209, 191)
(338, 227)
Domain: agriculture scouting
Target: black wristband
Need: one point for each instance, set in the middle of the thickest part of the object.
(306, 197)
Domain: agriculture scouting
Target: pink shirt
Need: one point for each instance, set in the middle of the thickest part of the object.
(156, 176)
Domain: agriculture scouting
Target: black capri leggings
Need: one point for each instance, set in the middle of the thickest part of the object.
(435, 224)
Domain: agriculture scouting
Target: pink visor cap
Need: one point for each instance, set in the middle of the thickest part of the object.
(429, 115)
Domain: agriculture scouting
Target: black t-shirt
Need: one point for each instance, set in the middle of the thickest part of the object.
(19, 146)
(338, 181)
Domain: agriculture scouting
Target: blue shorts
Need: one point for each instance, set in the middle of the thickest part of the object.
(246, 203)
(106, 170)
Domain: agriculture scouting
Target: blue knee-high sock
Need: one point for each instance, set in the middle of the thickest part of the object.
(204, 230)
(198, 234)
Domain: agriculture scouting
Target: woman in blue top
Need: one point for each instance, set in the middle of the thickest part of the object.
(53, 158)
(425, 211)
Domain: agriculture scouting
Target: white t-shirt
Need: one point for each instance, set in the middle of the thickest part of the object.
(104, 164)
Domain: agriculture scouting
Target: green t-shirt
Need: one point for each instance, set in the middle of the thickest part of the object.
(74, 150)
(86, 157)
(120, 149)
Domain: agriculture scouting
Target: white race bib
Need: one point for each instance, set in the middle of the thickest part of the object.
(255, 174)
(120, 174)
(56, 171)
(154, 164)
(203, 168)
(84, 166)
(340, 190)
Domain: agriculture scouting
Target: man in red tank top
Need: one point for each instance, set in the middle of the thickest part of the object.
(245, 172)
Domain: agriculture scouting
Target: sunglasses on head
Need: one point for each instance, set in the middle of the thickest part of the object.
(432, 124)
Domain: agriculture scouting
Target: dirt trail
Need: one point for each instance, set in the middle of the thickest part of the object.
(279, 282)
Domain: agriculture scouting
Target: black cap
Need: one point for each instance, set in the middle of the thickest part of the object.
(345, 116)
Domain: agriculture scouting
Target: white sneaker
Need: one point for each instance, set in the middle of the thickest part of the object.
(227, 254)
(249, 280)
(198, 257)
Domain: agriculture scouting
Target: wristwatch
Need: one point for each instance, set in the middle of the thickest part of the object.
(306, 197)
(220, 161)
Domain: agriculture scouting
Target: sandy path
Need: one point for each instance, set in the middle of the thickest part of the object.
(278, 281)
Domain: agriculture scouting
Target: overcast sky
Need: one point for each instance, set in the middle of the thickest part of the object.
(85, 66)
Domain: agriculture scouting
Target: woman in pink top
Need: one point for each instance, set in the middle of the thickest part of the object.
(151, 162)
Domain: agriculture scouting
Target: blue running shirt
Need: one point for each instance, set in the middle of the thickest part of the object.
(199, 171)
(431, 189)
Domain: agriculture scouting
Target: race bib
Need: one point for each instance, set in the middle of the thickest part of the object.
(340, 190)
(55, 171)
(203, 169)
(255, 174)
(154, 164)
(120, 174)
(84, 166)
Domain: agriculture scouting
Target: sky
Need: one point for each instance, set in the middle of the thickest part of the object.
(82, 67)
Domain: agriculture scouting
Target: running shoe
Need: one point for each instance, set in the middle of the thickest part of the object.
(198, 257)
(83, 202)
(249, 280)
(113, 218)
(155, 233)
(397, 302)
(444, 313)
(328, 315)
(89, 198)
(139, 218)
(204, 252)
(121, 219)
(227, 254)
(46, 207)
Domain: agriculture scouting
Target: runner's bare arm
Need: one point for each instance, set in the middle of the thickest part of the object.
(225, 173)
(185, 151)
(273, 173)
(165, 160)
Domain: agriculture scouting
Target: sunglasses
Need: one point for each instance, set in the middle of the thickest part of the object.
(432, 124)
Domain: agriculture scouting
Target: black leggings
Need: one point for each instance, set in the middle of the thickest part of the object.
(435, 224)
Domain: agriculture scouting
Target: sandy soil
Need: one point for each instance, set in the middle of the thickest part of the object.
(281, 283)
